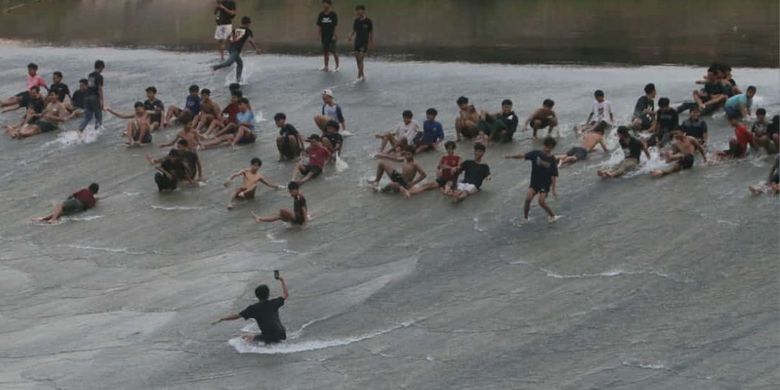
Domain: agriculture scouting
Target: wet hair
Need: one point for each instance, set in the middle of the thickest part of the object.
(761, 111)
(450, 144)
(183, 142)
(479, 147)
(173, 153)
(32, 65)
(151, 89)
(138, 104)
(462, 100)
(601, 127)
(751, 88)
(246, 20)
(360, 7)
(293, 185)
(598, 93)
(35, 88)
(205, 91)
(622, 130)
(194, 88)
(548, 103)
(695, 108)
(262, 292)
(83, 81)
(57, 73)
(506, 102)
(650, 88)
(256, 161)
(99, 64)
(94, 188)
(407, 114)
(332, 125)
(409, 149)
(663, 102)
(280, 116)
(431, 111)
(244, 100)
(234, 87)
(550, 142)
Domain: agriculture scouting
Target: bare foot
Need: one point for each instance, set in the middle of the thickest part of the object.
(656, 173)
(230, 206)
(755, 190)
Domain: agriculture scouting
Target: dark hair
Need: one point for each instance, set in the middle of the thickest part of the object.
(663, 102)
(622, 130)
(234, 87)
(293, 185)
(479, 147)
(237, 94)
(409, 149)
(550, 142)
(83, 81)
(360, 7)
(279, 116)
(598, 93)
(332, 124)
(138, 104)
(35, 88)
(601, 127)
(183, 142)
(450, 144)
(262, 292)
(205, 91)
(462, 100)
(328, 2)
(151, 89)
(194, 88)
(99, 64)
(548, 103)
(751, 88)
(506, 102)
(407, 114)
(695, 108)
(57, 73)
(94, 188)
(432, 111)
(173, 153)
(649, 88)
(32, 65)
(246, 20)
(244, 100)
(761, 111)
(256, 161)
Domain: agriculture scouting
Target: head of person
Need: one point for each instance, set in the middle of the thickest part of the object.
(280, 119)
(327, 96)
(52, 97)
(205, 95)
(408, 152)
(623, 133)
(83, 84)
(490, 118)
(235, 97)
(243, 104)
(32, 69)
(182, 144)
(327, 4)
(695, 114)
(479, 151)
(650, 90)
(725, 71)
(255, 164)
(332, 127)
(430, 114)
(599, 95)
(262, 292)
(151, 92)
(450, 146)
(314, 140)
(678, 135)
(56, 77)
(294, 188)
(94, 188)
(713, 72)
(360, 10)
(601, 127)
(463, 102)
(506, 106)
(733, 120)
(663, 102)
(548, 103)
(35, 92)
(246, 21)
(194, 89)
(234, 87)
(549, 144)
(761, 114)
(173, 154)
(139, 108)
(407, 115)
(751, 91)
(99, 66)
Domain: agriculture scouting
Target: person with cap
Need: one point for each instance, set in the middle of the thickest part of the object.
(316, 156)
(632, 149)
(330, 111)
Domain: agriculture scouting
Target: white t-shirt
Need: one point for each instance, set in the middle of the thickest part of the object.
(602, 111)
(407, 131)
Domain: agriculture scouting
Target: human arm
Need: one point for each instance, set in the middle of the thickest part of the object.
(120, 114)
(644, 149)
(233, 176)
(774, 170)
(698, 147)
(420, 176)
(554, 186)
(270, 184)
(231, 317)
(285, 292)
(175, 139)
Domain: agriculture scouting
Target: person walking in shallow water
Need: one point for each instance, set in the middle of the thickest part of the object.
(544, 177)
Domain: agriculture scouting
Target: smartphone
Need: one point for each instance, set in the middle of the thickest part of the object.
(276, 274)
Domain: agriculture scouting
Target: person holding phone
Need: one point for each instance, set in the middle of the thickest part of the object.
(265, 313)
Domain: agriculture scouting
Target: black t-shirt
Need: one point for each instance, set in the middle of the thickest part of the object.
(288, 130)
(543, 168)
(299, 203)
(774, 126)
(474, 172)
(362, 28)
(694, 129)
(222, 16)
(77, 100)
(632, 148)
(94, 82)
(175, 168)
(240, 35)
(153, 107)
(334, 138)
(510, 120)
(61, 90)
(642, 104)
(327, 23)
(668, 119)
(36, 104)
(266, 313)
(714, 89)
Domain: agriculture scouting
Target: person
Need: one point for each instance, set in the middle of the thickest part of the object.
(191, 160)
(238, 38)
(411, 174)
(76, 104)
(773, 182)
(363, 34)
(327, 21)
(544, 177)
(48, 120)
(467, 120)
(738, 106)
(760, 130)
(666, 120)
(188, 134)
(331, 139)
(589, 141)
(738, 145)
(33, 80)
(170, 170)
(60, 88)
(94, 98)
(316, 158)
(227, 122)
(644, 109)
(403, 134)
(542, 117)
(475, 172)
(289, 142)
(508, 116)
(266, 314)
(209, 110)
(298, 216)
(138, 127)
(713, 95)
(330, 112)
(189, 112)
(224, 13)
(251, 176)
(601, 112)
(445, 171)
(81, 200)
(632, 150)
(681, 155)
(773, 131)
(490, 128)
(432, 134)
(246, 128)
(35, 105)
(695, 127)
(154, 107)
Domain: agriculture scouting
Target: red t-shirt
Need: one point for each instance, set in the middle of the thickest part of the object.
(318, 156)
(743, 135)
(451, 161)
(86, 197)
(232, 111)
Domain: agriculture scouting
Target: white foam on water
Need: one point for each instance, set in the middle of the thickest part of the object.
(110, 250)
(74, 137)
(80, 219)
(259, 117)
(177, 208)
(129, 194)
(273, 239)
(341, 165)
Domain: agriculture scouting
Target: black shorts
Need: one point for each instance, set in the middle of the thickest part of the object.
(579, 152)
(247, 139)
(361, 47)
(442, 182)
(136, 137)
(260, 338)
(298, 220)
(155, 118)
(23, 98)
(328, 44)
(544, 122)
(398, 179)
(72, 206)
(540, 188)
(164, 183)
(313, 169)
(686, 162)
(46, 126)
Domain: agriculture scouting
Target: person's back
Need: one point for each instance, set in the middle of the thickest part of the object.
(266, 314)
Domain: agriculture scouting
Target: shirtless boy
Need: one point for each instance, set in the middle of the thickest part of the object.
(681, 155)
(411, 174)
(209, 111)
(467, 121)
(542, 117)
(49, 120)
(138, 127)
(589, 141)
(251, 176)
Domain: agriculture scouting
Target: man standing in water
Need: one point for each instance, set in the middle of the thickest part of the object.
(327, 21)
(81, 200)
(94, 99)
(238, 38)
(544, 177)
(266, 313)
(224, 13)
(363, 33)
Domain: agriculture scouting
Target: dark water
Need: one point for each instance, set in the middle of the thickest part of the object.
(743, 33)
